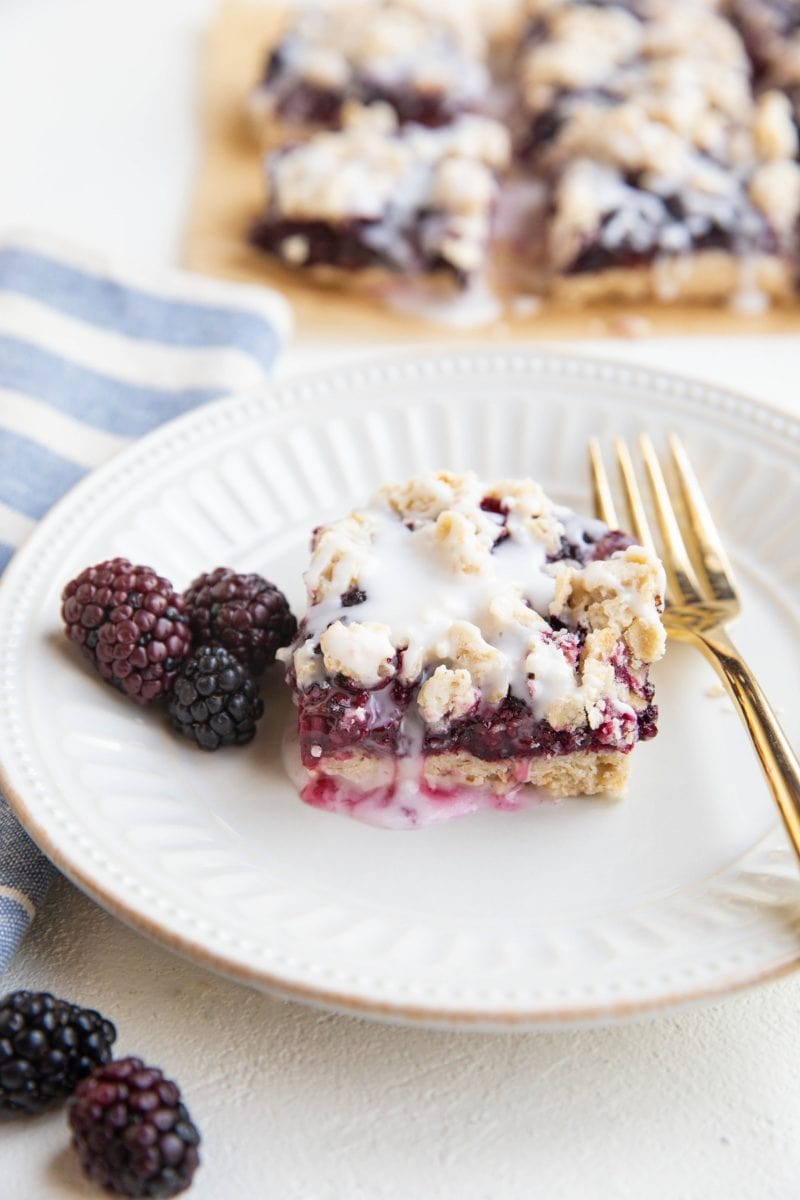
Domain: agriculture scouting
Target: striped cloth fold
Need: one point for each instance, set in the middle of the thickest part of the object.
(93, 355)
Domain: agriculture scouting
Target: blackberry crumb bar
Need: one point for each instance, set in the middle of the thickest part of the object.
(664, 177)
(463, 639)
(370, 203)
(428, 69)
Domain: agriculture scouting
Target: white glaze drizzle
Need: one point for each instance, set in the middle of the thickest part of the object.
(444, 589)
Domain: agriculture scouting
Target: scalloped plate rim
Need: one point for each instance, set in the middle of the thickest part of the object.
(274, 397)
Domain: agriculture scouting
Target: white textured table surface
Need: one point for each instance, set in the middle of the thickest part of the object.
(97, 143)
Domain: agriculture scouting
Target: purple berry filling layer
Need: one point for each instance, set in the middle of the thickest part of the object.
(361, 244)
(336, 717)
(304, 103)
(747, 232)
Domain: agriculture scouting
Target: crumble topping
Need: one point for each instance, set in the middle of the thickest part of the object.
(392, 39)
(527, 506)
(622, 595)
(675, 59)
(775, 188)
(447, 695)
(340, 553)
(426, 497)
(487, 666)
(407, 200)
(361, 650)
(588, 703)
(452, 585)
(381, 51)
(461, 543)
(773, 127)
(584, 46)
(358, 172)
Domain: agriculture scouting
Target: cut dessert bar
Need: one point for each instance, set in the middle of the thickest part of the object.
(664, 176)
(371, 202)
(426, 68)
(656, 148)
(463, 639)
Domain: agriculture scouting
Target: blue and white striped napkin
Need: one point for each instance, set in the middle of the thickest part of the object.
(91, 356)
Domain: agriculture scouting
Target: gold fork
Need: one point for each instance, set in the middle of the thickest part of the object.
(699, 605)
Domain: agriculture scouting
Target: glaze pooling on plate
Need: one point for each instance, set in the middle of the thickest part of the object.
(464, 639)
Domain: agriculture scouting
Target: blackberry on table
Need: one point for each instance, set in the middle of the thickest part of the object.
(47, 1046)
(215, 701)
(133, 1134)
(131, 624)
(246, 614)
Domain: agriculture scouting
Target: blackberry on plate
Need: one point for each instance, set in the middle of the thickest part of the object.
(130, 623)
(46, 1047)
(246, 614)
(132, 1133)
(215, 701)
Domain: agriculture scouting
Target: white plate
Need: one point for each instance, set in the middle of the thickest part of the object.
(583, 911)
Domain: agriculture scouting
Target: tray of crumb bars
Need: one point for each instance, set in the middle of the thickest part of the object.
(552, 167)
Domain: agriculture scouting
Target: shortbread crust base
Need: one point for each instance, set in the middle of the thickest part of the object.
(708, 276)
(581, 773)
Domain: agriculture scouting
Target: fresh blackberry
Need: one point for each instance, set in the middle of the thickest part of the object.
(246, 614)
(131, 1131)
(46, 1047)
(215, 701)
(131, 624)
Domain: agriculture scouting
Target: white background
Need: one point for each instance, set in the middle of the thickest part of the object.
(98, 143)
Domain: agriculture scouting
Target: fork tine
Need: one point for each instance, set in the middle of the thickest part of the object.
(716, 564)
(633, 497)
(601, 489)
(680, 571)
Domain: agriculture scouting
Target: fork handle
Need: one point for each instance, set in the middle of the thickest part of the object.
(779, 761)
